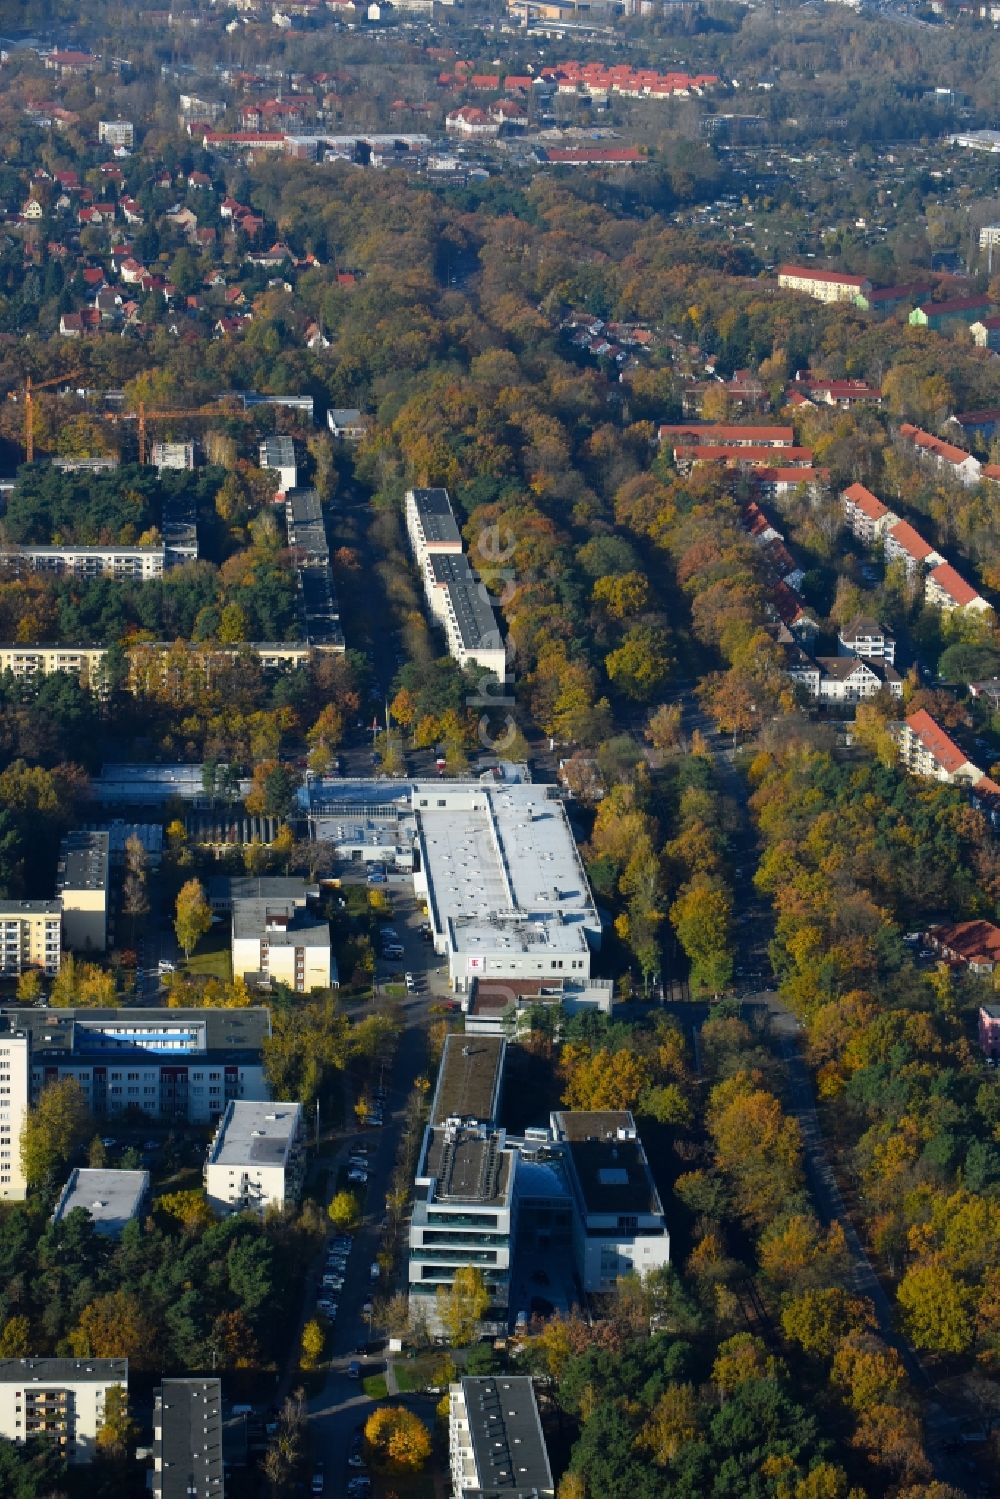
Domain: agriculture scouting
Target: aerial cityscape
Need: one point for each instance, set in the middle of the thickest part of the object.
(500, 749)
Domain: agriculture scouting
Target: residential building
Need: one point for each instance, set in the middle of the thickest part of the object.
(926, 750)
(165, 1063)
(470, 120)
(495, 1441)
(728, 435)
(989, 237)
(347, 423)
(225, 890)
(278, 454)
(116, 132)
(846, 679)
(82, 887)
(431, 525)
(256, 1160)
(460, 603)
(907, 547)
(958, 312)
(988, 691)
(30, 936)
(136, 563)
(280, 942)
(83, 661)
(886, 301)
(945, 589)
(974, 944)
(112, 1198)
(619, 1227)
(866, 515)
(955, 462)
(187, 1440)
(989, 1030)
(986, 332)
(978, 426)
(15, 1088)
(506, 892)
(318, 609)
(176, 455)
(62, 1399)
(868, 639)
(824, 286)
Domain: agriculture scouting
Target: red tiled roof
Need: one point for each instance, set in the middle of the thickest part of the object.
(956, 304)
(910, 540)
(934, 739)
(816, 273)
(969, 940)
(953, 584)
(932, 444)
(869, 504)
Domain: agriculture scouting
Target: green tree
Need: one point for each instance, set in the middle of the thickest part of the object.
(54, 1130)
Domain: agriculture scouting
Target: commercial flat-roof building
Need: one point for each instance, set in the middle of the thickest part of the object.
(187, 1440)
(257, 1158)
(15, 1091)
(495, 1442)
(619, 1226)
(61, 1399)
(82, 887)
(112, 1198)
(493, 1006)
(30, 936)
(167, 1064)
(505, 887)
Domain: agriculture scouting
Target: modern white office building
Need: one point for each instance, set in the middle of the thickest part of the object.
(167, 1064)
(619, 1226)
(112, 1198)
(257, 1158)
(15, 1091)
(62, 1399)
(496, 1446)
(82, 888)
(187, 1440)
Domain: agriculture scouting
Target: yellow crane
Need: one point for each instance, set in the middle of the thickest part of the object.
(216, 408)
(29, 407)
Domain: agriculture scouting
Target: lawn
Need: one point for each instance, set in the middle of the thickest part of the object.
(375, 1387)
(212, 959)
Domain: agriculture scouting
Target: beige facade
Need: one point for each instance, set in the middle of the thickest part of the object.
(30, 936)
(82, 885)
(257, 1158)
(63, 1399)
(85, 662)
(280, 942)
(825, 286)
(139, 564)
(15, 1078)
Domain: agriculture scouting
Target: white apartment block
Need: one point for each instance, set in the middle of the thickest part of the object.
(30, 936)
(946, 589)
(868, 639)
(15, 1082)
(926, 750)
(866, 515)
(458, 602)
(140, 564)
(619, 1226)
(62, 1399)
(116, 132)
(278, 455)
(257, 1159)
(495, 1440)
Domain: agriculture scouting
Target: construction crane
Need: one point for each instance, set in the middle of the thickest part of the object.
(143, 417)
(29, 408)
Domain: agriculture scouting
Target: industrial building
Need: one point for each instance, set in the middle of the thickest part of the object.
(257, 1158)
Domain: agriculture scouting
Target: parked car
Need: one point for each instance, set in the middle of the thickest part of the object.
(318, 1481)
(374, 1270)
(357, 1174)
(354, 1369)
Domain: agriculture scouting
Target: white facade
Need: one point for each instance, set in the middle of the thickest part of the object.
(866, 515)
(825, 286)
(60, 1398)
(115, 132)
(868, 639)
(141, 564)
(280, 942)
(458, 602)
(256, 1160)
(278, 455)
(15, 1082)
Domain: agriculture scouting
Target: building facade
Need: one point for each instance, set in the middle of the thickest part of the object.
(15, 1089)
(30, 936)
(139, 564)
(62, 1399)
(280, 942)
(257, 1159)
(824, 286)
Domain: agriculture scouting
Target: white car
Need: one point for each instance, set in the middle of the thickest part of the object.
(375, 1270)
(357, 1175)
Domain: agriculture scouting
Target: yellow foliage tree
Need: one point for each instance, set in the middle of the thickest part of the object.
(397, 1439)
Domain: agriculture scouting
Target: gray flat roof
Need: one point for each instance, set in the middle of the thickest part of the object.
(468, 1079)
(611, 1171)
(437, 519)
(111, 1198)
(506, 1435)
(63, 1371)
(83, 861)
(277, 452)
(10, 909)
(467, 1166)
(223, 889)
(257, 918)
(258, 1134)
(152, 1033)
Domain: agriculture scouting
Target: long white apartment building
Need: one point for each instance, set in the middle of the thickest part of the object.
(141, 564)
(61, 1399)
(495, 1441)
(15, 1088)
(257, 1158)
(504, 884)
(463, 1204)
(164, 1063)
(457, 600)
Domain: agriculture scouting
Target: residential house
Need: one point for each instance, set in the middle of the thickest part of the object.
(469, 120)
(945, 589)
(116, 132)
(867, 517)
(974, 944)
(867, 638)
(846, 679)
(954, 461)
(347, 423)
(824, 286)
(980, 425)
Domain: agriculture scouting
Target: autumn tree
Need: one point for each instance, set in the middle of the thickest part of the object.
(397, 1439)
(54, 1130)
(701, 916)
(313, 1344)
(344, 1212)
(115, 1325)
(462, 1305)
(193, 915)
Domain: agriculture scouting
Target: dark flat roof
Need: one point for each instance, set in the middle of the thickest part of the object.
(436, 515)
(477, 624)
(189, 1438)
(506, 1435)
(63, 1371)
(468, 1078)
(119, 1031)
(468, 1168)
(612, 1172)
